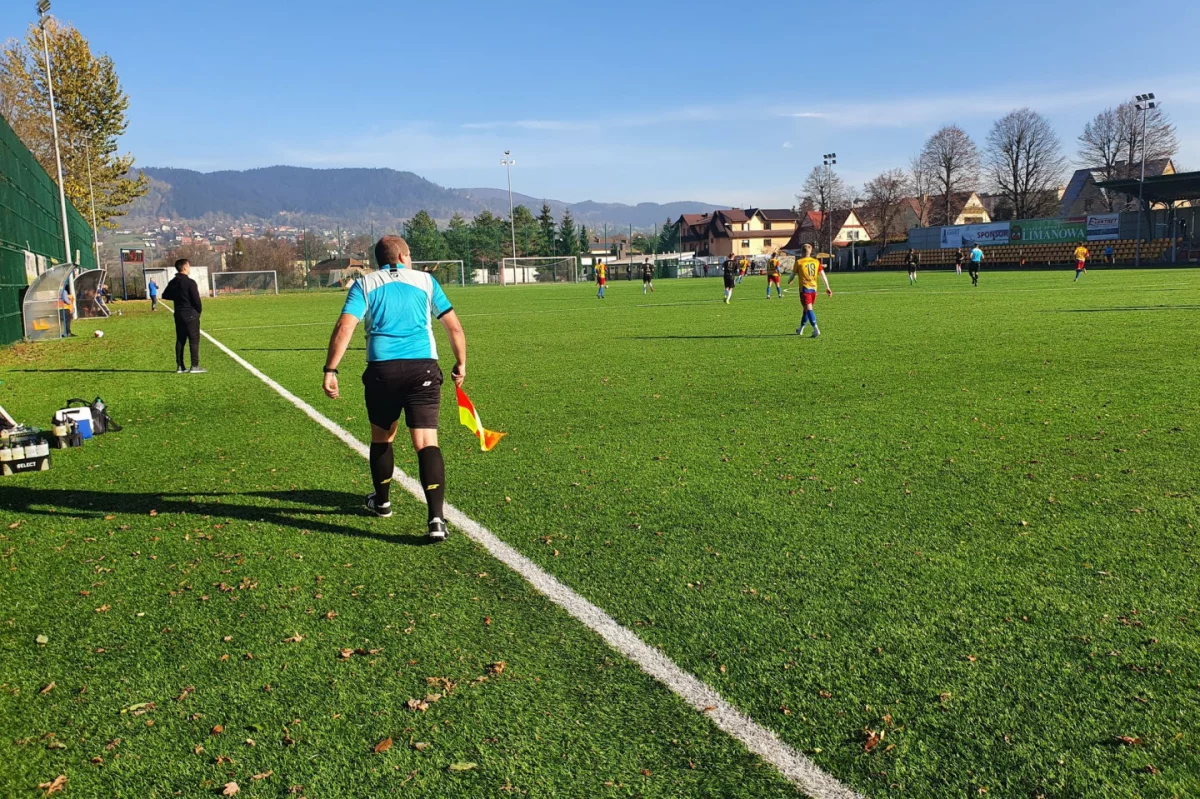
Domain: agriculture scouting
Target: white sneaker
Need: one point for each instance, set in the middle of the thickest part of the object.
(816, 333)
(800, 331)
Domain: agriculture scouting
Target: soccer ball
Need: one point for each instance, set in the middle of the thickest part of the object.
(99, 334)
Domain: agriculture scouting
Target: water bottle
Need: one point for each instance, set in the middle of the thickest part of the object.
(18, 452)
(6, 454)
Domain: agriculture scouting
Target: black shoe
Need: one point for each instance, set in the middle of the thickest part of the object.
(437, 530)
(383, 510)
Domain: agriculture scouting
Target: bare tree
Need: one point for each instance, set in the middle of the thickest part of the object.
(1111, 144)
(824, 191)
(1025, 163)
(885, 195)
(920, 181)
(952, 160)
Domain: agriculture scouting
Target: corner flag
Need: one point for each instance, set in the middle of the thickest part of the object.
(470, 420)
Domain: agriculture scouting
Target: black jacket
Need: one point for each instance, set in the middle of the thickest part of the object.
(182, 291)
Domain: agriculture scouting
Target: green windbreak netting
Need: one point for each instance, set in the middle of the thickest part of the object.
(30, 229)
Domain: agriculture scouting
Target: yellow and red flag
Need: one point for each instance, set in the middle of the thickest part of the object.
(470, 420)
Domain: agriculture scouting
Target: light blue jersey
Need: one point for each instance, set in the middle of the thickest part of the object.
(976, 255)
(398, 305)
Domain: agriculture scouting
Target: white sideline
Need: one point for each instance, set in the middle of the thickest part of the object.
(792, 764)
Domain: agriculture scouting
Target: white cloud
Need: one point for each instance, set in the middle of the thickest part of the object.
(787, 145)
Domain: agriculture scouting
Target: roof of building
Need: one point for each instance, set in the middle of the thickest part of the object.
(1160, 188)
(958, 203)
(779, 214)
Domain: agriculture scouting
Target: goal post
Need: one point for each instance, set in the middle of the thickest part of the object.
(540, 269)
(255, 282)
(446, 272)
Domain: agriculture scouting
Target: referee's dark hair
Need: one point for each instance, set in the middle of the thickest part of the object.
(390, 250)
(181, 263)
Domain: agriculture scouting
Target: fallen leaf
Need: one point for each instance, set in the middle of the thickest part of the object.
(185, 693)
(294, 639)
(262, 776)
(155, 513)
(43, 640)
(1129, 740)
(97, 761)
(383, 746)
(198, 748)
(249, 742)
(104, 609)
(222, 760)
(109, 517)
(872, 741)
(138, 709)
(1151, 769)
(421, 746)
(331, 615)
(498, 667)
(48, 689)
(55, 786)
(416, 704)
(345, 654)
(463, 766)
(231, 788)
(216, 730)
(647, 772)
(56, 745)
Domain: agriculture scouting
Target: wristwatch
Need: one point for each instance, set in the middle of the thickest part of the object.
(329, 371)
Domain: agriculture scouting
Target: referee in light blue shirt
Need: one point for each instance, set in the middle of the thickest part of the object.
(402, 376)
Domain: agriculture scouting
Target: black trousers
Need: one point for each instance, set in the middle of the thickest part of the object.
(187, 332)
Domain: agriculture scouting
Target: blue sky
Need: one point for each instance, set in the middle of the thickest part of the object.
(620, 102)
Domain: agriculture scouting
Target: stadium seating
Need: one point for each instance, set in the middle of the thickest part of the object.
(1052, 254)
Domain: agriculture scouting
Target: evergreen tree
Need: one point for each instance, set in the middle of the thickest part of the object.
(458, 240)
(526, 231)
(546, 231)
(424, 239)
(585, 242)
(487, 239)
(566, 235)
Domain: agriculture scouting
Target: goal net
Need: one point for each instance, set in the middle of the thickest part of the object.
(446, 272)
(261, 282)
(544, 269)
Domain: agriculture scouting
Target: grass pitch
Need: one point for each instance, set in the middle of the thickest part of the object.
(948, 546)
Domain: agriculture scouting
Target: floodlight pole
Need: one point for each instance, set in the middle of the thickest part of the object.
(87, 149)
(507, 163)
(830, 159)
(1145, 102)
(43, 9)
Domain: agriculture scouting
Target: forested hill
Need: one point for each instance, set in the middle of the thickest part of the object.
(355, 196)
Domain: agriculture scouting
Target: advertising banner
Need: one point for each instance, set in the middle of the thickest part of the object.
(951, 238)
(1103, 227)
(1049, 231)
(994, 233)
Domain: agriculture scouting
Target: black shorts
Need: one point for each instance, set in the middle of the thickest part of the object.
(412, 387)
(647, 279)
(728, 281)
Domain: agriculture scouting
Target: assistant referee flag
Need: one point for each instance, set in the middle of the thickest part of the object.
(470, 420)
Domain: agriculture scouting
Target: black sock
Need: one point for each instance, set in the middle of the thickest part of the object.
(433, 479)
(383, 463)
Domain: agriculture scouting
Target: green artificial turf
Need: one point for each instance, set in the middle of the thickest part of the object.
(962, 520)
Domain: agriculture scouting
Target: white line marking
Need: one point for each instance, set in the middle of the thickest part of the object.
(792, 764)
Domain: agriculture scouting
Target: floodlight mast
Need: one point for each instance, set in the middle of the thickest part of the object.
(508, 164)
(43, 10)
(830, 160)
(1144, 103)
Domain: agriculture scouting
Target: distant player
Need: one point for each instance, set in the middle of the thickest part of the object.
(958, 261)
(743, 267)
(601, 279)
(976, 260)
(1081, 258)
(809, 269)
(647, 276)
(773, 275)
(730, 273)
(912, 261)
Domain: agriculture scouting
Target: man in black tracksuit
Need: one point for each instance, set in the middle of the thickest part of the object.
(182, 291)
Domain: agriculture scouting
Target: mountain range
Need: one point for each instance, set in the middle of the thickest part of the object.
(353, 197)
